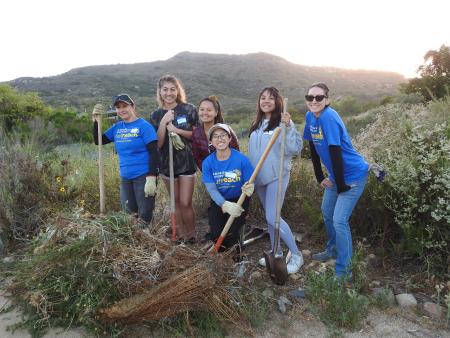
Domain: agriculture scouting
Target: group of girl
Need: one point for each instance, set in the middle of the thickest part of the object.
(201, 140)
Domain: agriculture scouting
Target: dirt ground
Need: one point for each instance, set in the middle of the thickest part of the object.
(298, 321)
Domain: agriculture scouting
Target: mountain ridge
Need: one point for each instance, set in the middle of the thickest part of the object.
(235, 78)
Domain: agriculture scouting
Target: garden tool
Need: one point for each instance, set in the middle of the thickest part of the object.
(173, 217)
(98, 113)
(275, 262)
(241, 199)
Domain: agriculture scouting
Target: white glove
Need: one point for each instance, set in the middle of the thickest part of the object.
(248, 189)
(177, 142)
(150, 186)
(98, 110)
(232, 208)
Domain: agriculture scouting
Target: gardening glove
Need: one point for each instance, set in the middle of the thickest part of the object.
(178, 144)
(248, 189)
(232, 208)
(378, 171)
(98, 110)
(150, 186)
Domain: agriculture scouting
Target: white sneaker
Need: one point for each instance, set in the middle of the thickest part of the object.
(262, 261)
(295, 263)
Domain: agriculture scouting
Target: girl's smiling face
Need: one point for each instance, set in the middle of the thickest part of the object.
(267, 103)
(206, 112)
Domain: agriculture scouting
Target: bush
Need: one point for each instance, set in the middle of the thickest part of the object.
(413, 143)
(36, 184)
(335, 304)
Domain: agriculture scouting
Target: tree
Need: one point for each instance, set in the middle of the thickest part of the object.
(17, 108)
(434, 80)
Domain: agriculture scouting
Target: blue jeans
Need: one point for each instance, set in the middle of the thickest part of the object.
(336, 211)
(132, 198)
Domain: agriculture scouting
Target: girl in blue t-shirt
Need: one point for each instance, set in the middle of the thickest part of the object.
(347, 175)
(136, 144)
(225, 174)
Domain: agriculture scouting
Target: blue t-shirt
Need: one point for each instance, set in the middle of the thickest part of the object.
(328, 129)
(228, 175)
(130, 140)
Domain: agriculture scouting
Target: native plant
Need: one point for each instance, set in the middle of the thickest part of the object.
(413, 144)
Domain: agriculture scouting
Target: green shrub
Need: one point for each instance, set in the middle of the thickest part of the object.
(413, 143)
(334, 303)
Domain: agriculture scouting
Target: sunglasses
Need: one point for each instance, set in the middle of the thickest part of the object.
(319, 98)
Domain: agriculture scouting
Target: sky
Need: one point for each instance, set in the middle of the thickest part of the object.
(50, 37)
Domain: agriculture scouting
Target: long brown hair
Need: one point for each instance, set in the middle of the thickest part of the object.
(217, 107)
(275, 117)
(181, 96)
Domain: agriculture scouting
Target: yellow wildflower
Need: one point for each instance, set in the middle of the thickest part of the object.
(62, 189)
(58, 179)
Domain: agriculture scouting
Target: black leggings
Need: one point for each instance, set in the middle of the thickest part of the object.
(217, 220)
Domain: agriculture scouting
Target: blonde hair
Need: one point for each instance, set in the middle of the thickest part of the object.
(181, 96)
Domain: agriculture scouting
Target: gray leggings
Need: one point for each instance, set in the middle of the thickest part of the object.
(133, 199)
(267, 195)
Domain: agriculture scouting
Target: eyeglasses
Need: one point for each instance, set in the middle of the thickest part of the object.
(319, 98)
(219, 136)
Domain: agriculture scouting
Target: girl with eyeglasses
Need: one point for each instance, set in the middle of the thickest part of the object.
(347, 175)
(209, 113)
(136, 144)
(175, 118)
(269, 115)
(226, 172)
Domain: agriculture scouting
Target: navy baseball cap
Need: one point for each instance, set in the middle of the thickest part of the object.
(122, 98)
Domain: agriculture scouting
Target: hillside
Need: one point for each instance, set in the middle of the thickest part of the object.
(236, 79)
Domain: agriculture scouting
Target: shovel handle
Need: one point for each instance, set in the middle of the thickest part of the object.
(241, 199)
(101, 180)
(280, 183)
(173, 217)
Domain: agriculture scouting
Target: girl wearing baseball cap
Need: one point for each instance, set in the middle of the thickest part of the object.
(135, 141)
(225, 173)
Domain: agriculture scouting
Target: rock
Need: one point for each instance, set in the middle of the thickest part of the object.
(374, 283)
(312, 264)
(255, 275)
(285, 300)
(298, 237)
(298, 293)
(406, 300)
(240, 271)
(281, 307)
(330, 262)
(387, 293)
(306, 253)
(433, 310)
(268, 293)
(373, 261)
(295, 276)
(8, 260)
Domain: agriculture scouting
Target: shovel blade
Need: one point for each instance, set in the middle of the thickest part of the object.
(276, 267)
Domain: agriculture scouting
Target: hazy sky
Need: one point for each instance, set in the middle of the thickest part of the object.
(50, 37)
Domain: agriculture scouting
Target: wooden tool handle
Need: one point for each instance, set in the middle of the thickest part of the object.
(101, 180)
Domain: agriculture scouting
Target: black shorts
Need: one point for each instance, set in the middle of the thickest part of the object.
(186, 173)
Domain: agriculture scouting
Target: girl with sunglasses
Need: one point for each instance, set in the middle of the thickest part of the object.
(347, 175)
(269, 115)
(175, 118)
(136, 144)
(209, 113)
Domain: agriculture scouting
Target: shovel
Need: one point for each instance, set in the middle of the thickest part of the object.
(275, 262)
(173, 217)
(215, 248)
